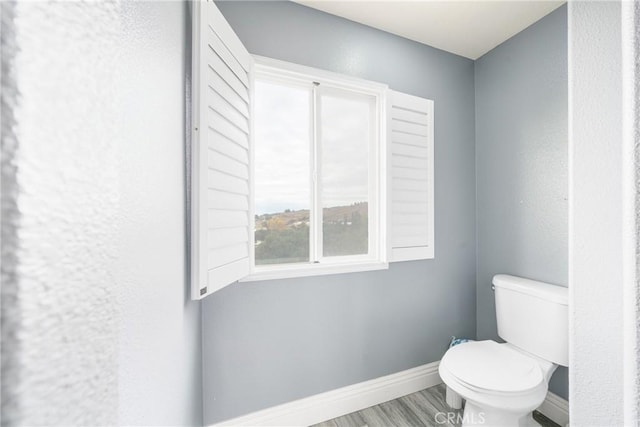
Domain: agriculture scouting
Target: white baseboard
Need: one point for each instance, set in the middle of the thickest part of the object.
(342, 401)
(335, 403)
(556, 409)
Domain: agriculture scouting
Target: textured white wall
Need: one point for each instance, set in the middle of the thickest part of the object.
(160, 339)
(631, 205)
(595, 214)
(97, 326)
(60, 189)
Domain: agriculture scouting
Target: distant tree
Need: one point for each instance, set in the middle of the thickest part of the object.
(261, 235)
(356, 218)
(276, 223)
(287, 240)
(289, 245)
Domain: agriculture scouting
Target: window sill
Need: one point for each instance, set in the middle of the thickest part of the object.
(314, 270)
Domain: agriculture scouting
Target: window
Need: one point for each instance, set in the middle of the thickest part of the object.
(295, 171)
(318, 145)
(282, 195)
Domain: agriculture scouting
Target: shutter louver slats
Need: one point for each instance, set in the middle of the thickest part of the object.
(230, 79)
(410, 150)
(230, 148)
(227, 201)
(410, 139)
(221, 123)
(226, 218)
(222, 181)
(224, 237)
(223, 107)
(220, 153)
(410, 116)
(218, 84)
(400, 126)
(228, 254)
(400, 184)
(410, 174)
(220, 162)
(409, 162)
(409, 196)
(219, 49)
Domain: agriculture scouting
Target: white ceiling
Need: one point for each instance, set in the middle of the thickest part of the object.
(468, 28)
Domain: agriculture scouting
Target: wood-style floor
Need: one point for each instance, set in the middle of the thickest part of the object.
(415, 410)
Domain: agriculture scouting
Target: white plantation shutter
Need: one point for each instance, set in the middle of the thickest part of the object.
(410, 188)
(221, 156)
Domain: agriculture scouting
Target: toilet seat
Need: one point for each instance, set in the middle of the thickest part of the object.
(491, 368)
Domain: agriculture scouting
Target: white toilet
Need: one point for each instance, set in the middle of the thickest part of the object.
(503, 383)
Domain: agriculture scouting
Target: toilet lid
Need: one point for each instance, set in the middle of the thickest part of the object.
(491, 366)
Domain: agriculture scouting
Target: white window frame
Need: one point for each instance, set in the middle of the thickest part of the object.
(376, 259)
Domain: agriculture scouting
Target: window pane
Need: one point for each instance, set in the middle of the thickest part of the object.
(282, 188)
(345, 131)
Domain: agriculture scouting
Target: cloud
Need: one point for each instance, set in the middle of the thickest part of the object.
(345, 137)
(283, 143)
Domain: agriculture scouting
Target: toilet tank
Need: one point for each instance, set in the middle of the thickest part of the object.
(533, 316)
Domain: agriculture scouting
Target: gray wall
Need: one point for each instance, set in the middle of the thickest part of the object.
(97, 326)
(521, 164)
(271, 342)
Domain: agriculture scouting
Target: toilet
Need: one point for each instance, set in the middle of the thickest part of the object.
(503, 383)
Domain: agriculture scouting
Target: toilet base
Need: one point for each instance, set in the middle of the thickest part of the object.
(453, 399)
(475, 415)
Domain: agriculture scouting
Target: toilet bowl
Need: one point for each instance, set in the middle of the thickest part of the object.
(503, 383)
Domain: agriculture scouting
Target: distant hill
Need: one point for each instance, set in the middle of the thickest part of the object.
(291, 219)
(283, 237)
